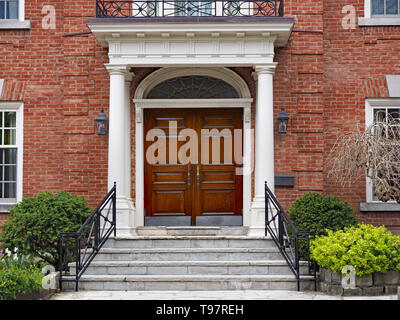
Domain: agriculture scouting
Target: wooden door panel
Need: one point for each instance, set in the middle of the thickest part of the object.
(168, 202)
(219, 190)
(204, 187)
(217, 201)
(168, 190)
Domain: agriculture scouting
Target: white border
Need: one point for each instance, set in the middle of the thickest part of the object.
(369, 20)
(19, 108)
(370, 104)
(141, 103)
(21, 10)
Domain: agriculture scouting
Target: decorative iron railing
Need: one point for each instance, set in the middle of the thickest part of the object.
(196, 8)
(83, 245)
(294, 245)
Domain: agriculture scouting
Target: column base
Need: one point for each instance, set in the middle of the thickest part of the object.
(257, 218)
(125, 217)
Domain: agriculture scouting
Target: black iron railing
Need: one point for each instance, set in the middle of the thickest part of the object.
(294, 245)
(83, 245)
(196, 8)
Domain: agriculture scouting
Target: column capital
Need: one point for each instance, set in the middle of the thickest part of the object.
(264, 69)
(117, 69)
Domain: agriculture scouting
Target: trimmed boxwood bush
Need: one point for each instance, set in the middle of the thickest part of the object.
(315, 213)
(35, 224)
(365, 247)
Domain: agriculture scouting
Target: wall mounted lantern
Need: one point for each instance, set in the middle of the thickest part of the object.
(283, 120)
(101, 123)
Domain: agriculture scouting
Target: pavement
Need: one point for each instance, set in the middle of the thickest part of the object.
(209, 295)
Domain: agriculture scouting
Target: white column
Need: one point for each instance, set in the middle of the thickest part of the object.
(118, 148)
(264, 146)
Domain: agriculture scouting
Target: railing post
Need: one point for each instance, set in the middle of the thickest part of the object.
(60, 251)
(266, 208)
(114, 213)
(280, 230)
(296, 254)
(96, 230)
(77, 262)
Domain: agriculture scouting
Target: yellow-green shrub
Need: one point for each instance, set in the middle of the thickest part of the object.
(365, 247)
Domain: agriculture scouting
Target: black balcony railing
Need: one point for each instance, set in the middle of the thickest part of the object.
(199, 8)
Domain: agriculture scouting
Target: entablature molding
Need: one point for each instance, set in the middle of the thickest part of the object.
(224, 44)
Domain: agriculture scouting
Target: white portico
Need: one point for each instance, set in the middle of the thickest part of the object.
(183, 49)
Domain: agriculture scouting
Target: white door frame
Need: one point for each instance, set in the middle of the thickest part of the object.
(141, 103)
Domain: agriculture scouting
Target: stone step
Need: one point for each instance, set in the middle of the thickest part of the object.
(188, 254)
(189, 242)
(190, 282)
(263, 267)
(191, 231)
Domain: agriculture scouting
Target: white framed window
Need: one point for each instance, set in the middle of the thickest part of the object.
(379, 109)
(12, 10)
(385, 8)
(11, 152)
(380, 13)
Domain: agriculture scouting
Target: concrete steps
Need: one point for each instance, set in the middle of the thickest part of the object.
(189, 263)
(189, 282)
(188, 254)
(189, 268)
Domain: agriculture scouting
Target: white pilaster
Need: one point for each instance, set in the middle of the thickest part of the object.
(119, 147)
(264, 146)
(128, 135)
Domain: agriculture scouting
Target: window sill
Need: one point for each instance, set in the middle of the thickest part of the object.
(379, 206)
(6, 207)
(15, 24)
(367, 22)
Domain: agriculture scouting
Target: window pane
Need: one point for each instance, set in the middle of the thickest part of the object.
(9, 137)
(379, 115)
(391, 7)
(10, 156)
(378, 6)
(10, 119)
(9, 190)
(394, 114)
(10, 173)
(12, 10)
(2, 9)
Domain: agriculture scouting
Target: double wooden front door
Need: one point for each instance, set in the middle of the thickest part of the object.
(192, 161)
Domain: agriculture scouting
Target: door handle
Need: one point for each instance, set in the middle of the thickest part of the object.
(188, 176)
(198, 176)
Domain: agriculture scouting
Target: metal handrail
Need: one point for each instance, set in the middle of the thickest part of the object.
(287, 238)
(88, 240)
(185, 8)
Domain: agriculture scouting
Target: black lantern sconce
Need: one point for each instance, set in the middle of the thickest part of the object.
(283, 120)
(101, 123)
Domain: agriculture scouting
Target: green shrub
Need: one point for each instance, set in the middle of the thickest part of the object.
(315, 213)
(35, 224)
(365, 247)
(18, 276)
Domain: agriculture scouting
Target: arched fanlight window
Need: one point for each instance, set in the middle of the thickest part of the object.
(193, 87)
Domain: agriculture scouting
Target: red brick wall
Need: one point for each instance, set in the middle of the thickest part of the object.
(322, 79)
(63, 84)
